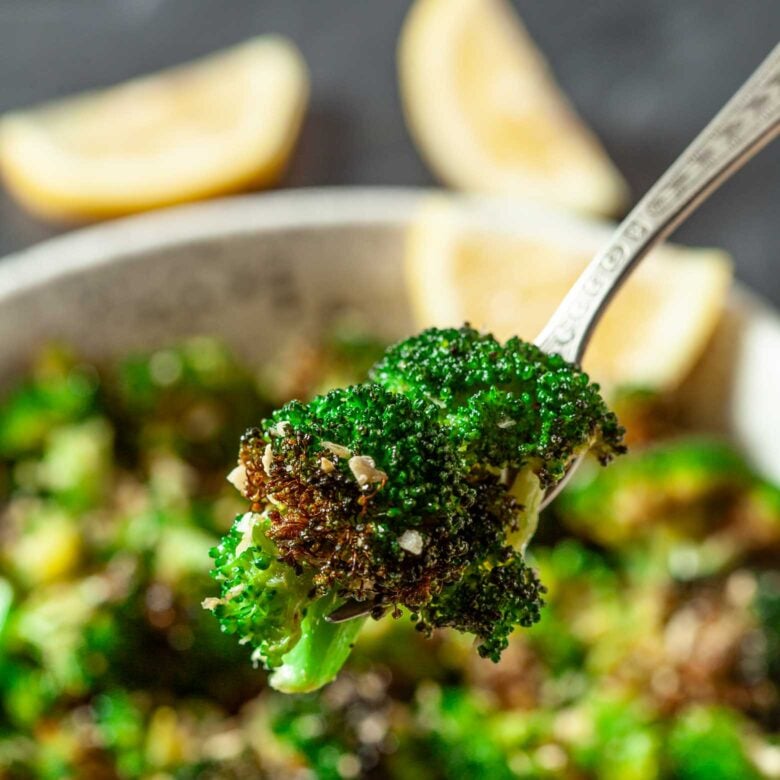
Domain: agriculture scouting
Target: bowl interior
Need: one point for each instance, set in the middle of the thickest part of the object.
(264, 270)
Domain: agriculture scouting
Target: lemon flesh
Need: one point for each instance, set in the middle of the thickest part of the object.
(217, 125)
(504, 267)
(487, 115)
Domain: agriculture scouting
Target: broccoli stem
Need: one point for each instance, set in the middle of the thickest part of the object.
(321, 651)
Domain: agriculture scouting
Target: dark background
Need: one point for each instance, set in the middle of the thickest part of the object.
(646, 74)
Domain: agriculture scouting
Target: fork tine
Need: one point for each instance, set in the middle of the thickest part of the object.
(352, 609)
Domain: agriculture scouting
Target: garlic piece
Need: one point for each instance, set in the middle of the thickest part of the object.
(236, 590)
(411, 541)
(237, 478)
(365, 470)
(246, 525)
(268, 459)
(339, 450)
(280, 429)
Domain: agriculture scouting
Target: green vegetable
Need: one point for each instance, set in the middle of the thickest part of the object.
(342, 735)
(319, 654)
(77, 461)
(508, 405)
(263, 601)
(489, 601)
(109, 667)
(59, 392)
(121, 727)
(674, 471)
(685, 486)
(193, 400)
(620, 740)
(418, 490)
(456, 733)
(707, 743)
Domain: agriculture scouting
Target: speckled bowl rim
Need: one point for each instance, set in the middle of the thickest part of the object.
(89, 247)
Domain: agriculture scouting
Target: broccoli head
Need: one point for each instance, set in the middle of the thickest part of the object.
(364, 490)
(509, 405)
(262, 600)
(490, 600)
(416, 490)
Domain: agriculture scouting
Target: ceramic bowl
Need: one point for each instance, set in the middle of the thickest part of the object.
(261, 270)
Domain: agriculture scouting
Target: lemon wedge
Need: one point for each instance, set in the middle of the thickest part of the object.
(209, 127)
(487, 115)
(504, 267)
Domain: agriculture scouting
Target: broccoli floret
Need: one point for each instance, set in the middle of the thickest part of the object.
(709, 743)
(489, 601)
(509, 404)
(417, 490)
(365, 489)
(688, 484)
(331, 524)
(263, 601)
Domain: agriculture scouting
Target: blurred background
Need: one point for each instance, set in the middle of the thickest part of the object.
(646, 76)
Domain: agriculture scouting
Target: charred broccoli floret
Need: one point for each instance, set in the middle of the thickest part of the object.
(416, 490)
(329, 523)
(490, 600)
(365, 490)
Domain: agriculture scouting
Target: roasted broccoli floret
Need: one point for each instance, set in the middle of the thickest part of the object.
(490, 600)
(710, 743)
(263, 600)
(418, 490)
(509, 405)
(687, 487)
(360, 482)
(329, 523)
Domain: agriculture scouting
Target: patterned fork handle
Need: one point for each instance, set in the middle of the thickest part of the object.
(749, 121)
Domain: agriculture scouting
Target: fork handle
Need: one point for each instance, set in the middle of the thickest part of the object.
(749, 121)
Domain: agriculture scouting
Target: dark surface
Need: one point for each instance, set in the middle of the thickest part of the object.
(646, 74)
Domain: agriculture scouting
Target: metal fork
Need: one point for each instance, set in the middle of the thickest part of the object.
(749, 121)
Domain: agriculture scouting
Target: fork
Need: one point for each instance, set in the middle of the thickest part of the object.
(747, 123)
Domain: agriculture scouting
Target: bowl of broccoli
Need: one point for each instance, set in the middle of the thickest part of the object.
(393, 477)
